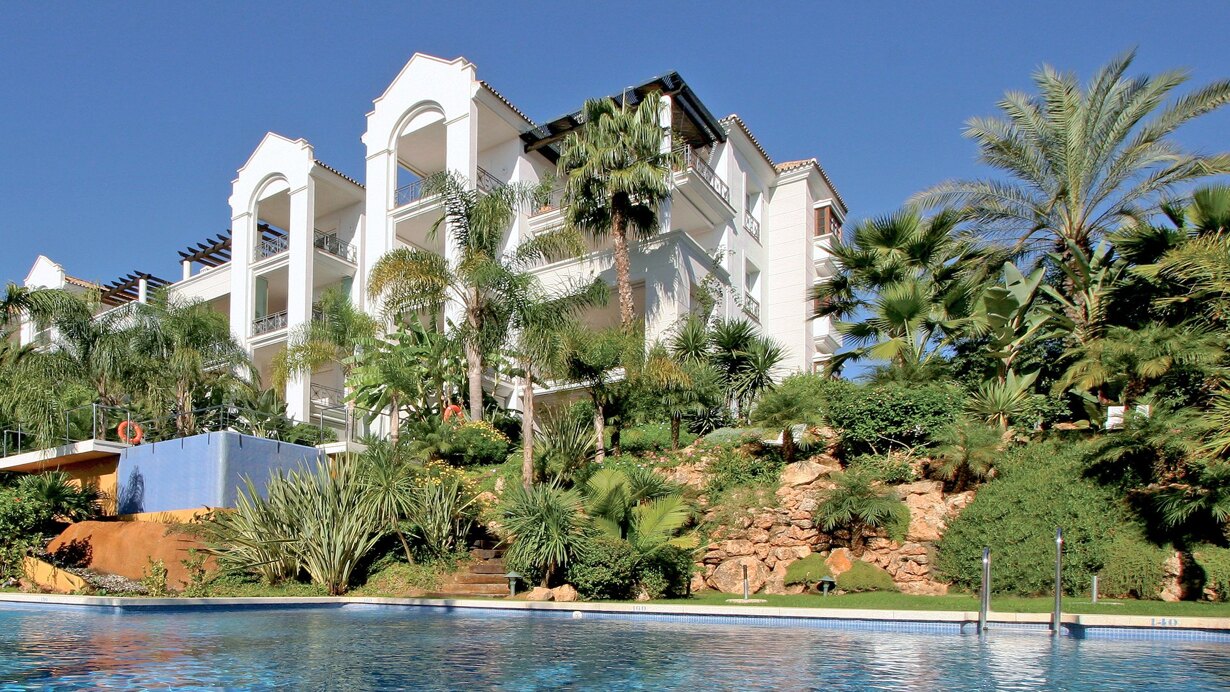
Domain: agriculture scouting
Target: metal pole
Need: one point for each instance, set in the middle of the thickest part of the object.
(746, 595)
(1058, 581)
(984, 603)
(1095, 589)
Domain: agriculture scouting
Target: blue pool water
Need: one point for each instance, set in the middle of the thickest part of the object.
(370, 647)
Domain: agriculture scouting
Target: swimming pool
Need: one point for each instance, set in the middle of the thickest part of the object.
(373, 647)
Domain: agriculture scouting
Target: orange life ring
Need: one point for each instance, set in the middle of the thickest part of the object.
(130, 432)
(452, 410)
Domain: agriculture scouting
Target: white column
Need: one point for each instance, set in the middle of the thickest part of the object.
(187, 269)
(243, 228)
(460, 158)
(302, 253)
(376, 227)
(668, 143)
(142, 290)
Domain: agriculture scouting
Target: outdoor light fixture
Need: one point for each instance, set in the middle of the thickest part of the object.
(512, 583)
(826, 583)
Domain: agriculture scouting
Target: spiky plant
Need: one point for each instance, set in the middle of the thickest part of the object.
(859, 506)
(547, 526)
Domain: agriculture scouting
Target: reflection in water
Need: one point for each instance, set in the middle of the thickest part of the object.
(360, 647)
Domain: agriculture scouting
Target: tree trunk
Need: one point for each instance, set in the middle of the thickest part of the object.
(675, 432)
(404, 545)
(617, 430)
(394, 423)
(474, 379)
(599, 434)
(527, 428)
(623, 271)
(788, 444)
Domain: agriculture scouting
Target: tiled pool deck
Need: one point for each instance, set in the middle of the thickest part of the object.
(941, 622)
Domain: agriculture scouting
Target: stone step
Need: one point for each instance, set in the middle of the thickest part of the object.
(473, 590)
(489, 567)
(467, 578)
(487, 553)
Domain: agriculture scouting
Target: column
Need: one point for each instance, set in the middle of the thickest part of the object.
(299, 289)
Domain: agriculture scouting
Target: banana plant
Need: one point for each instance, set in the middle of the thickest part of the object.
(1008, 315)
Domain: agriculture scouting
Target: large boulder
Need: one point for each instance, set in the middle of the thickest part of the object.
(565, 593)
(840, 560)
(728, 577)
(540, 593)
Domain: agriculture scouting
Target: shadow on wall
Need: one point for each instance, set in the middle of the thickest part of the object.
(132, 493)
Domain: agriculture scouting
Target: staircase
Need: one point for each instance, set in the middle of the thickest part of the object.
(484, 576)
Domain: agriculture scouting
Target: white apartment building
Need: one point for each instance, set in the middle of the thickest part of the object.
(751, 232)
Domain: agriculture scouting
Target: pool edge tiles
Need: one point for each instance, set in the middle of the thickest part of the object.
(1074, 625)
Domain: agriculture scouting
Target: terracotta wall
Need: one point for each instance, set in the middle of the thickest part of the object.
(126, 547)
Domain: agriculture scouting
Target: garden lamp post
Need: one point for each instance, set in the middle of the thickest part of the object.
(512, 583)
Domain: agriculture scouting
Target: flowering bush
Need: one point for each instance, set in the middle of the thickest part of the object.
(473, 443)
(23, 517)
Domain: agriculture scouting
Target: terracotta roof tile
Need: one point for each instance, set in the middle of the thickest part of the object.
(331, 169)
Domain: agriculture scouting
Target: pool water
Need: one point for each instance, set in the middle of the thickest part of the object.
(371, 647)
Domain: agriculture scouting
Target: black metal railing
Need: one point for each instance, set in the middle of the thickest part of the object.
(751, 306)
(486, 182)
(269, 323)
(409, 193)
(554, 202)
(696, 161)
(326, 396)
(330, 243)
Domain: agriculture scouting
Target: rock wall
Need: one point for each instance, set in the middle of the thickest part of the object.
(766, 540)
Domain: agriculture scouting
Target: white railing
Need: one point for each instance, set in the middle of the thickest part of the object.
(751, 225)
(269, 323)
(693, 159)
(751, 306)
(268, 246)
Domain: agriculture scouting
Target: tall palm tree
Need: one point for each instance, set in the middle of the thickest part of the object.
(1077, 160)
(188, 347)
(539, 320)
(410, 280)
(337, 332)
(616, 176)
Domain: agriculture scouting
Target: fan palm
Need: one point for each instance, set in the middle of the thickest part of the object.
(1078, 160)
(473, 275)
(616, 176)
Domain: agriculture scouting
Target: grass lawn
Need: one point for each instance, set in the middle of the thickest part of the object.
(1003, 604)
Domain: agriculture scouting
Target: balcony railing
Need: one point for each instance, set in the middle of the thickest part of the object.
(554, 203)
(751, 306)
(409, 193)
(693, 159)
(487, 182)
(269, 323)
(268, 246)
(330, 243)
(325, 396)
(751, 225)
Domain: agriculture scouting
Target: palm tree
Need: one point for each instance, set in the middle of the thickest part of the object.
(637, 505)
(596, 361)
(187, 347)
(37, 303)
(1078, 160)
(539, 320)
(410, 280)
(337, 332)
(616, 176)
(906, 284)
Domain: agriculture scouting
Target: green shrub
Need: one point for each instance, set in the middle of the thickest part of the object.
(864, 576)
(666, 572)
(810, 570)
(882, 417)
(651, 437)
(1041, 487)
(608, 570)
(731, 467)
(66, 499)
(1133, 567)
(23, 520)
(888, 468)
(474, 443)
(1214, 562)
(154, 578)
(197, 585)
(548, 529)
(734, 437)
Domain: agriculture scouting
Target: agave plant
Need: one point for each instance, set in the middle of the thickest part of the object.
(998, 402)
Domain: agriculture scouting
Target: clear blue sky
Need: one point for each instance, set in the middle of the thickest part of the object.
(123, 123)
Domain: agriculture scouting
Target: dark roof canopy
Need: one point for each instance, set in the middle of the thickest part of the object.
(126, 288)
(692, 120)
(213, 252)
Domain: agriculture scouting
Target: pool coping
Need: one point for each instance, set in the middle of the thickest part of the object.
(1071, 621)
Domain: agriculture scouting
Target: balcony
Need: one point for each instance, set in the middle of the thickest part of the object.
(751, 306)
(326, 397)
(751, 226)
(694, 161)
(822, 256)
(330, 243)
(269, 323)
(268, 246)
(414, 192)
